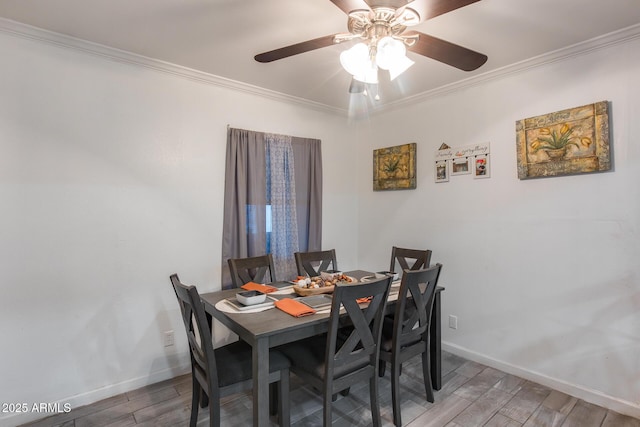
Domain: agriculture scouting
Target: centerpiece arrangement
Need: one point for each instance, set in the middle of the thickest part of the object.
(323, 284)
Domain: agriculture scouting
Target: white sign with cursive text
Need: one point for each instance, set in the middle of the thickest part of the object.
(463, 160)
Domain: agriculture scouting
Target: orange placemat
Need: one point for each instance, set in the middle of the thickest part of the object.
(252, 286)
(294, 308)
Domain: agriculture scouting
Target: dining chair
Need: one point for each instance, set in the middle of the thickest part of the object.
(225, 370)
(408, 335)
(312, 263)
(404, 258)
(412, 259)
(335, 361)
(252, 269)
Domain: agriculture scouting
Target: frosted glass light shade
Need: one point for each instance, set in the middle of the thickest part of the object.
(389, 52)
(356, 61)
(353, 59)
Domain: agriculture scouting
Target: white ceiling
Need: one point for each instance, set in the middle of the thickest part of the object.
(221, 37)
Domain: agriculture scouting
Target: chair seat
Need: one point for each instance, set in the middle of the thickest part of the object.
(234, 363)
(309, 356)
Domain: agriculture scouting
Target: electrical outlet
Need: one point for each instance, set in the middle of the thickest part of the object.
(453, 321)
(168, 338)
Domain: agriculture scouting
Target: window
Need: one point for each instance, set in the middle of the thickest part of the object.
(273, 199)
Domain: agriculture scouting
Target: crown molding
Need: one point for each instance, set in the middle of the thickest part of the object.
(617, 37)
(60, 40)
(29, 32)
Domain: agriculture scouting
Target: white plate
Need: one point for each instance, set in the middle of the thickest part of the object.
(241, 307)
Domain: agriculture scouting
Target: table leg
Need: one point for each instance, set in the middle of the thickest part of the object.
(436, 344)
(261, 382)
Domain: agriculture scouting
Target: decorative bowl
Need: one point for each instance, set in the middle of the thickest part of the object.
(251, 297)
(304, 292)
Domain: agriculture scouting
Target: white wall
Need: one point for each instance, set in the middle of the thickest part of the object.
(543, 274)
(111, 179)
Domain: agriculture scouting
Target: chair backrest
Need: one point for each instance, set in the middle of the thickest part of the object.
(312, 263)
(203, 362)
(358, 352)
(413, 309)
(252, 269)
(419, 259)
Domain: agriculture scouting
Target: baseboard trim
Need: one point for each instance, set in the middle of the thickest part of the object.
(592, 396)
(93, 396)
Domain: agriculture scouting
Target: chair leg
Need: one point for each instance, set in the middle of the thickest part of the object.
(283, 399)
(214, 412)
(326, 409)
(395, 393)
(426, 373)
(375, 404)
(273, 398)
(195, 401)
(382, 367)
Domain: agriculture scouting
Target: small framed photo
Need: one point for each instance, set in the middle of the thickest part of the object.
(442, 171)
(481, 166)
(460, 166)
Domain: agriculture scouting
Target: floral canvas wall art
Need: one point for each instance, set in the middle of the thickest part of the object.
(566, 142)
(394, 168)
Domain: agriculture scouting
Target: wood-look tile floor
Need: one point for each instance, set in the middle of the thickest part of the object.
(472, 395)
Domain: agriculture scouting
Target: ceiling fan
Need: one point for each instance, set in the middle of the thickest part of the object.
(371, 21)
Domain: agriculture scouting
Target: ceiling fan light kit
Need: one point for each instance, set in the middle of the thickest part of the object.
(381, 25)
(383, 46)
(363, 62)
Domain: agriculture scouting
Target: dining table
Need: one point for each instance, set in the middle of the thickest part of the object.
(265, 329)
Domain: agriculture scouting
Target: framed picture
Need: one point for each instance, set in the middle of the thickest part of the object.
(442, 171)
(566, 142)
(394, 168)
(460, 166)
(481, 166)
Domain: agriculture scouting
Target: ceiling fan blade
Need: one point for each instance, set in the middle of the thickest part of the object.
(428, 9)
(348, 5)
(446, 52)
(294, 49)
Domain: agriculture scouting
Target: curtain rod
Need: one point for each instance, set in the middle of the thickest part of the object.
(272, 133)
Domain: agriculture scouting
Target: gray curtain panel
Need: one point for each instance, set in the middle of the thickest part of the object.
(308, 161)
(245, 200)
